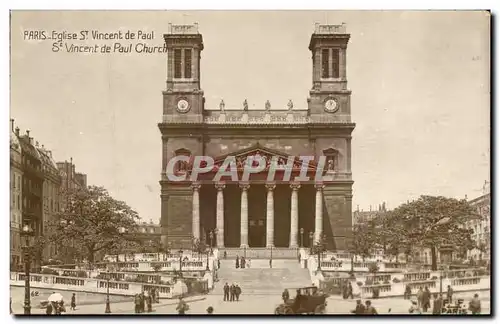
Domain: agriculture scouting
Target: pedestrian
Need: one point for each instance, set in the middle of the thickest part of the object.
(242, 262)
(49, 309)
(62, 308)
(225, 255)
(157, 295)
(360, 308)
(420, 295)
(218, 264)
(182, 307)
(11, 305)
(349, 291)
(73, 302)
(437, 304)
(237, 262)
(210, 310)
(370, 309)
(226, 292)
(475, 305)
(285, 296)
(270, 263)
(248, 263)
(232, 291)
(137, 303)
(426, 299)
(237, 291)
(449, 294)
(407, 293)
(143, 302)
(149, 302)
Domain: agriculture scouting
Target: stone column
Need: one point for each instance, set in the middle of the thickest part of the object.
(196, 210)
(270, 215)
(294, 215)
(244, 215)
(318, 226)
(220, 215)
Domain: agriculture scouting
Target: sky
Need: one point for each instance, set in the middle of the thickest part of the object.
(419, 80)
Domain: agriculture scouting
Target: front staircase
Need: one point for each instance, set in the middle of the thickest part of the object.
(260, 279)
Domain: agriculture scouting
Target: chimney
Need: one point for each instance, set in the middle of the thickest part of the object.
(43, 146)
(12, 124)
(17, 131)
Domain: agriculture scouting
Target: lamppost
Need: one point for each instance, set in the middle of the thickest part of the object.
(319, 250)
(271, 259)
(301, 237)
(208, 253)
(28, 234)
(211, 235)
(108, 308)
(440, 280)
(311, 242)
(180, 262)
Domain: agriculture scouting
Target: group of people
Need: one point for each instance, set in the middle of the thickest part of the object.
(144, 301)
(347, 291)
(242, 262)
(364, 309)
(58, 308)
(232, 293)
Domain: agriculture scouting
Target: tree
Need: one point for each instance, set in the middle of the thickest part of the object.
(434, 222)
(93, 221)
(362, 241)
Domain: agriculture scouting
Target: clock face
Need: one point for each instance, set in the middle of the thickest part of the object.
(182, 105)
(331, 105)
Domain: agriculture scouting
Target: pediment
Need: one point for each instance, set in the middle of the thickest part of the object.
(268, 154)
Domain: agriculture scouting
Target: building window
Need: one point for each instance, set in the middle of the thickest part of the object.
(18, 203)
(187, 63)
(336, 63)
(325, 63)
(177, 63)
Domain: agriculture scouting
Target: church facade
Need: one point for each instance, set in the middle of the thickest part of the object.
(258, 213)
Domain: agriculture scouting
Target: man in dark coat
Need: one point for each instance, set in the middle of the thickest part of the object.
(237, 262)
(437, 305)
(426, 299)
(149, 302)
(285, 295)
(143, 302)
(349, 291)
(232, 291)
(73, 302)
(226, 292)
(242, 263)
(360, 308)
(370, 309)
(237, 292)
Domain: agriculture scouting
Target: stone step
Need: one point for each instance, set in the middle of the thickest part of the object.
(259, 253)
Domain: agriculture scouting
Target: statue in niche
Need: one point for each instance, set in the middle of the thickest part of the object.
(290, 104)
(268, 105)
(330, 165)
(222, 104)
(245, 105)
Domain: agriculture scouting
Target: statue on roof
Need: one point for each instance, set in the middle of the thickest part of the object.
(245, 105)
(222, 104)
(268, 105)
(290, 104)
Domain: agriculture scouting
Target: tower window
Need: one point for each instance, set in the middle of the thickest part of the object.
(325, 63)
(177, 64)
(336, 63)
(187, 63)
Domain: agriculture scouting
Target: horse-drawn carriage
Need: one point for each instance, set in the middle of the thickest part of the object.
(307, 301)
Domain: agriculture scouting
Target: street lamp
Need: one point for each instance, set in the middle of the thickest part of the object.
(319, 248)
(301, 237)
(108, 308)
(211, 236)
(28, 234)
(440, 280)
(208, 268)
(310, 242)
(180, 262)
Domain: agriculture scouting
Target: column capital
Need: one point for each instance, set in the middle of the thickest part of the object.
(220, 186)
(270, 186)
(244, 186)
(319, 186)
(295, 186)
(195, 186)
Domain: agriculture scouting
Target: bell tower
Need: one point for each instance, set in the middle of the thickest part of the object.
(183, 100)
(329, 93)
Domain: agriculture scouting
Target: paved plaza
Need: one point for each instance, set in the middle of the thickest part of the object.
(248, 304)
